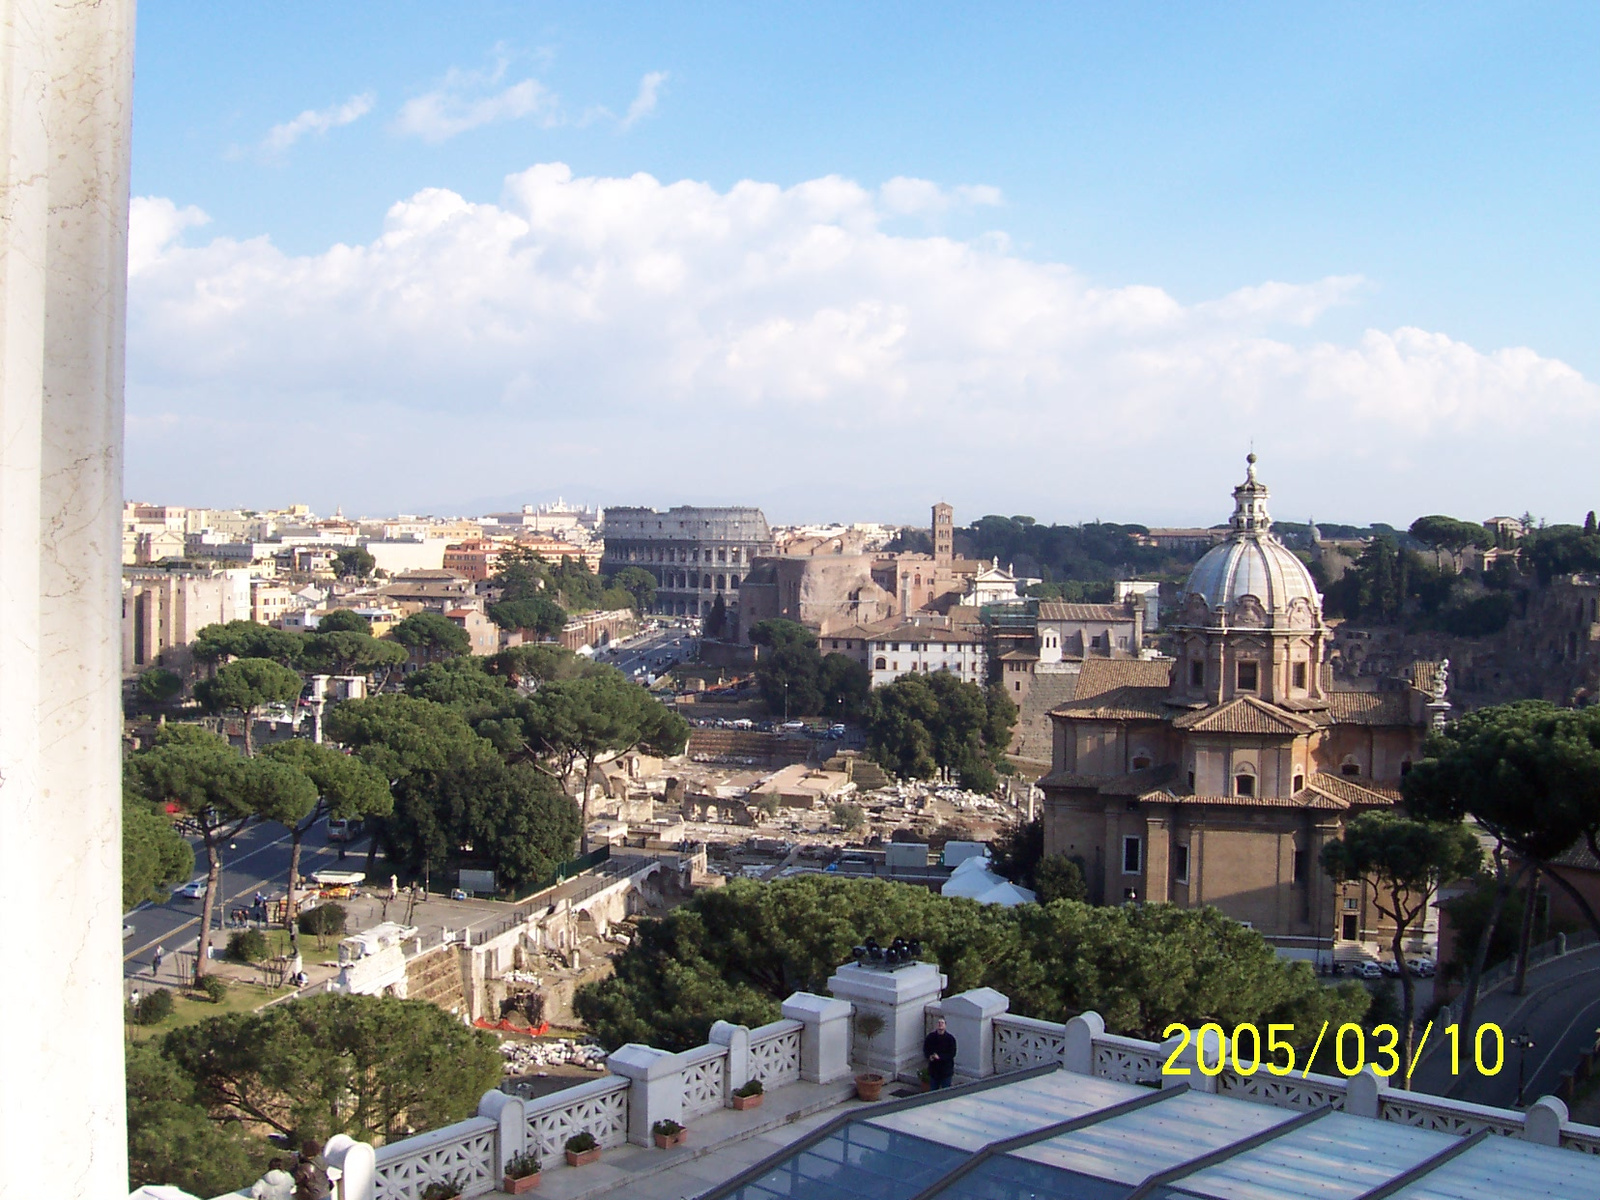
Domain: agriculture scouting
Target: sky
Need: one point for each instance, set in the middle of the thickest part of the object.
(845, 260)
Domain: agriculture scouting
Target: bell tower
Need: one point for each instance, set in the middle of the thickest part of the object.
(944, 534)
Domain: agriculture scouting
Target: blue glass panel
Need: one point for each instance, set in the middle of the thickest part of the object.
(858, 1162)
(1005, 1178)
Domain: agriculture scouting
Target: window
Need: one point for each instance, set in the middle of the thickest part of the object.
(1299, 867)
(896, 666)
(1244, 785)
(881, 665)
(1300, 676)
(1197, 673)
(1350, 768)
(1141, 761)
(1191, 781)
(1180, 864)
(1019, 685)
(1132, 858)
(1351, 903)
(1299, 782)
(1247, 676)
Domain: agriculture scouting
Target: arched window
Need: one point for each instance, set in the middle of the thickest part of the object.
(1141, 761)
(1299, 781)
(1350, 768)
(1244, 780)
(882, 664)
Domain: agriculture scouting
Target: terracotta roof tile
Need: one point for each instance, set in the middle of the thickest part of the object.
(1352, 792)
(1300, 800)
(1059, 610)
(1246, 714)
(1119, 704)
(1135, 783)
(1368, 708)
(1103, 675)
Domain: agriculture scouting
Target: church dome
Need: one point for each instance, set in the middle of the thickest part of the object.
(1252, 574)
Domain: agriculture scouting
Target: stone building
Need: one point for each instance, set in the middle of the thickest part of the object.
(825, 592)
(695, 554)
(165, 608)
(1217, 777)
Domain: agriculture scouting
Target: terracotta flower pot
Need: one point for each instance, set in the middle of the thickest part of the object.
(746, 1102)
(869, 1087)
(578, 1158)
(515, 1185)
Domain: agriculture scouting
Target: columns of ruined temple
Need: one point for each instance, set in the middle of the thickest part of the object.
(65, 91)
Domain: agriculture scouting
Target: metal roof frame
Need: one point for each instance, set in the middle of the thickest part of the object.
(1224, 1153)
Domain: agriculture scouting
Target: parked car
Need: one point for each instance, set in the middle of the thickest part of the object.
(192, 890)
(1390, 968)
(1369, 970)
(1423, 968)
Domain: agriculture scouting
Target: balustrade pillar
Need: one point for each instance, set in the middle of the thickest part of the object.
(358, 1164)
(510, 1113)
(1364, 1093)
(655, 1087)
(825, 1038)
(1546, 1116)
(970, 1018)
(737, 1039)
(1077, 1051)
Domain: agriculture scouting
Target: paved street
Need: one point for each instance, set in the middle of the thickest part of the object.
(260, 863)
(653, 652)
(1560, 1012)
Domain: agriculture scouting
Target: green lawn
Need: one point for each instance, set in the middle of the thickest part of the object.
(190, 1007)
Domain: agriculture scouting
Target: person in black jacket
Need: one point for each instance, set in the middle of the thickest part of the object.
(939, 1048)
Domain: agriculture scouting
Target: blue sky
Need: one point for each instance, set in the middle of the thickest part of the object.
(1142, 236)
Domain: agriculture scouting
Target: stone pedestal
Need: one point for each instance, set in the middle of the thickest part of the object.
(899, 997)
(737, 1039)
(825, 1040)
(656, 1092)
(66, 75)
(969, 1017)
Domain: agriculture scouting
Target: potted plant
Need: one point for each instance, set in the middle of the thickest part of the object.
(869, 1084)
(582, 1148)
(522, 1173)
(748, 1096)
(445, 1189)
(668, 1134)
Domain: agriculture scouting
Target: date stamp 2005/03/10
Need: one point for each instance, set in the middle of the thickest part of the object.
(1248, 1052)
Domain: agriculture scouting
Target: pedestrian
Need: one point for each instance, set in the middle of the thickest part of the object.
(939, 1048)
(311, 1173)
(276, 1184)
(155, 959)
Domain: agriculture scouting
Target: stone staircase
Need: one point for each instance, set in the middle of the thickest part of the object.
(863, 772)
(741, 745)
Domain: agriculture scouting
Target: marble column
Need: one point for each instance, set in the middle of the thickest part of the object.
(66, 71)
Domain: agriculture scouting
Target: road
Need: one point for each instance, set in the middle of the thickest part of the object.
(653, 652)
(1560, 1012)
(260, 862)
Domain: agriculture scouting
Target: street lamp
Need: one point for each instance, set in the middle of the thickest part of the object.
(1523, 1043)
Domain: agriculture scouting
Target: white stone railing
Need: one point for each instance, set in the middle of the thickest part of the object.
(775, 1053)
(1284, 1091)
(1585, 1138)
(703, 1080)
(1443, 1115)
(463, 1153)
(1022, 1042)
(1128, 1060)
(599, 1107)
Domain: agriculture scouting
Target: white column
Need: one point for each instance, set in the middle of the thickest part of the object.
(66, 75)
(1077, 1043)
(656, 1087)
(737, 1039)
(825, 1040)
(900, 998)
(969, 1016)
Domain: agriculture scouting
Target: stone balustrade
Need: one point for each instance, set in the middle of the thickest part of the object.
(813, 1043)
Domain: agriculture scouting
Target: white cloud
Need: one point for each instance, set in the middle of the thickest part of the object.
(465, 100)
(922, 197)
(645, 102)
(672, 342)
(280, 137)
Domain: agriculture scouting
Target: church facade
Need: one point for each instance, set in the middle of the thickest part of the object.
(1216, 776)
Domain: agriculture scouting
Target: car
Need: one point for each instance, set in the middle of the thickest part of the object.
(192, 890)
(1421, 967)
(1369, 970)
(1390, 968)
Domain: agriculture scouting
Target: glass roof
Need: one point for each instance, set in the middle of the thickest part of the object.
(1052, 1133)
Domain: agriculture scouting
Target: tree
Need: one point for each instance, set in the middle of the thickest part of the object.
(217, 793)
(1441, 533)
(777, 631)
(432, 635)
(172, 1140)
(1017, 852)
(540, 614)
(1529, 774)
(848, 816)
(247, 686)
(788, 677)
(368, 1066)
(846, 686)
(582, 720)
(639, 584)
(1060, 878)
(159, 686)
(921, 725)
(154, 854)
(354, 561)
(1405, 860)
(344, 620)
(246, 639)
(463, 684)
(351, 652)
(527, 666)
(345, 787)
(521, 575)
(716, 622)
(736, 953)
